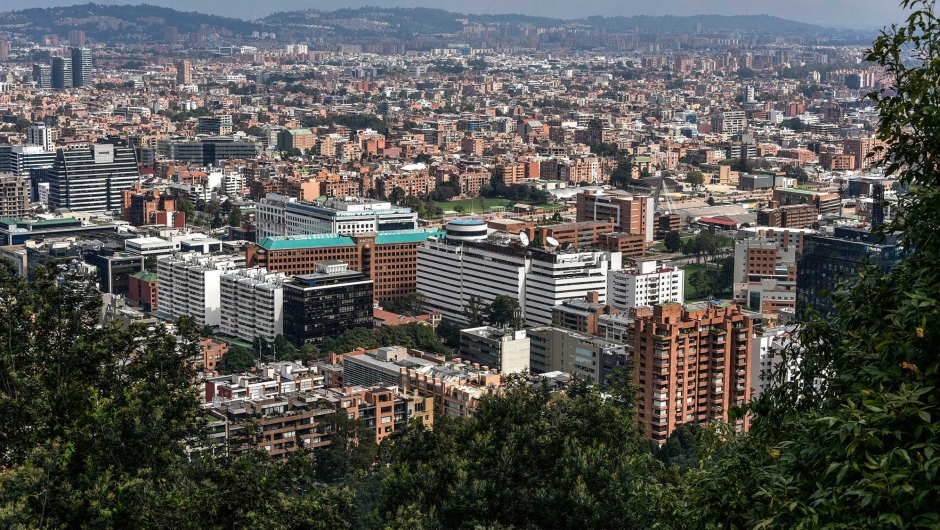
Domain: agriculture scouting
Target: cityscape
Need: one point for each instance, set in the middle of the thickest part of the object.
(410, 268)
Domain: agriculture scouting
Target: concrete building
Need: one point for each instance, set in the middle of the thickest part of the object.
(92, 179)
(252, 304)
(326, 303)
(14, 196)
(184, 72)
(215, 125)
(579, 354)
(505, 350)
(279, 215)
(629, 213)
(582, 314)
(449, 275)
(190, 284)
(388, 258)
(646, 284)
(729, 122)
(39, 135)
(692, 364)
(21, 159)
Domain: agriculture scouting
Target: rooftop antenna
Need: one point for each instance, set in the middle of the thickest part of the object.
(552, 241)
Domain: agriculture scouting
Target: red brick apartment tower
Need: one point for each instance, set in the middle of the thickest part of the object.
(692, 365)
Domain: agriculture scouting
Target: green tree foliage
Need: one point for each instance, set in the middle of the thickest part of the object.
(682, 447)
(531, 459)
(695, 178)
(236, 360)
(411, 335)
(95, 426)
(186, 206)
(476, 311)
(505, 311)
(707, 246)
(853, 439)
(794, 124)
(673, 242)
(235, 217)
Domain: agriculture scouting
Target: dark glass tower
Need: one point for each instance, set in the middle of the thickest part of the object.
(326, 303)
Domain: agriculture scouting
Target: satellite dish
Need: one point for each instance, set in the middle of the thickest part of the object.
(524, 239)
(552, 241)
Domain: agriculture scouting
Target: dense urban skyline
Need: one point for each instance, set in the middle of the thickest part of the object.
(837, 13)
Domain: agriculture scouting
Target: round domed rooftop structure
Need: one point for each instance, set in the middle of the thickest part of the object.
(466, 230)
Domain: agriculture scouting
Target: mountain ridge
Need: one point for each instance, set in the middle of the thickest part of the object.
(146, 23)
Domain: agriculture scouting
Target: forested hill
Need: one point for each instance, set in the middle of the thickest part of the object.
(146, 23)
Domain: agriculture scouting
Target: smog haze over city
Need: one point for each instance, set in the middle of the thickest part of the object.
(838, 13)
(469, 265)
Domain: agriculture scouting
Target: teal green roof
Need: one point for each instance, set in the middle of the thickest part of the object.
(407, 236)
(307, 241)
(336, 240)
(146, 276)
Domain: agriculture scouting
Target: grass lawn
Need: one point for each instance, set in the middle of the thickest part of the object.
(689, 269)
(661, 246)
(472, 205)
(476, 205)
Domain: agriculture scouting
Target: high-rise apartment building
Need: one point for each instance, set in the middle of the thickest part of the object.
(40, 135)
(859, 149)
(326, 303)
(81, 67)
(93, 178)
(252, 304)
(62, 73)
(646, 284)
(629, 213)
(184, 72)
(692, 364)
(189, 283)
(77, 38)
(171, 35)
(14, 196)
(4, 50)
(729, 122)
(42, 75)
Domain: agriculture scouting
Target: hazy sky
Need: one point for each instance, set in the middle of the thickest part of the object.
(870, 13)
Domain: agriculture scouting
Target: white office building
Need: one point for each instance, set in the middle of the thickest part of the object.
(190, 284)
(252, 304)
(647, 284)
(450, 274)
(39, 135)
(555, 277)
(279, 215)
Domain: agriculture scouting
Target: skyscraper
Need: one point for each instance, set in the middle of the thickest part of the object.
(4, 50)
(42, 75)
(81, 67)
(92, 179)
(184, 72)
(61, 73)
